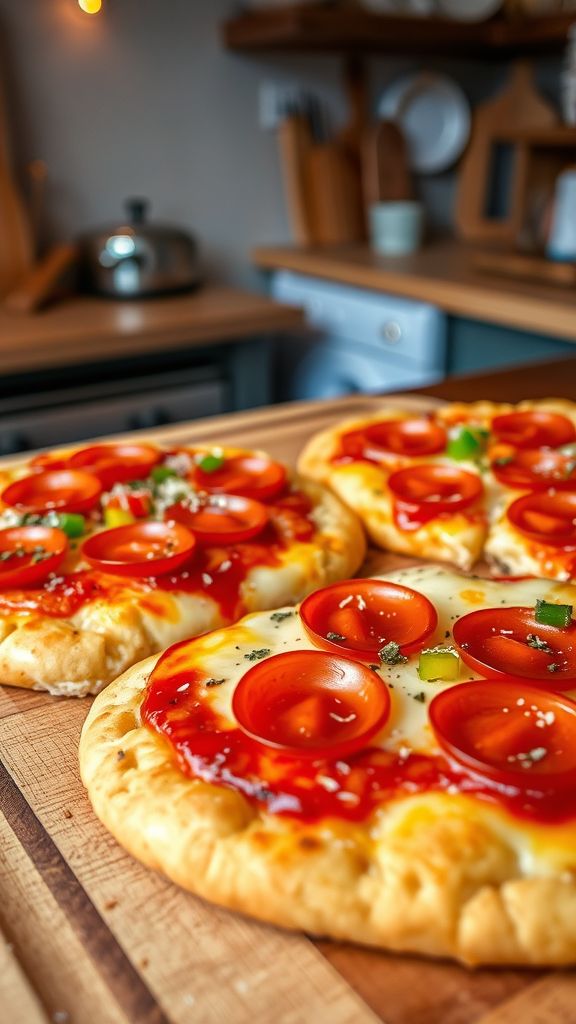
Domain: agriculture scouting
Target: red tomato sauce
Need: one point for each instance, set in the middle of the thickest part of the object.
(411, 517)
(60, 596)
(220, 572)
(178, 706)
(217, 572)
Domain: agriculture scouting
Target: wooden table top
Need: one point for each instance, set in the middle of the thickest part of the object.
(85, 329)
(442, 273)
(93, 936)
(513, 384)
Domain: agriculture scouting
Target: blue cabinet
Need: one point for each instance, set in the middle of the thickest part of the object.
(473, 345)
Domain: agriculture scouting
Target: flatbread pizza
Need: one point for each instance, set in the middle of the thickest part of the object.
(111, 552)
(393, 764)
(463, 483)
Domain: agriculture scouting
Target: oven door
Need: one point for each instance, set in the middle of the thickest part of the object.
(64, 417)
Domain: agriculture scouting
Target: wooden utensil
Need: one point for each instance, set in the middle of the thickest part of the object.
(518, 106)
(16, 246)
(356, 87)
(321, 179)
(39, 285)
(385, 165)
(295, 142)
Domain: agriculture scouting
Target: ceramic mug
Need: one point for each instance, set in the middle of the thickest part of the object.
(396, 228)
(562, 241)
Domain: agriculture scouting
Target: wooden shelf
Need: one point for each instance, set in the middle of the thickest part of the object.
(562, 136)
(335, 29)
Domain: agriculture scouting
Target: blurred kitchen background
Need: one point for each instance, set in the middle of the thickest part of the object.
(207, 206)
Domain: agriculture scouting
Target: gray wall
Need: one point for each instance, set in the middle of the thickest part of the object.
(142, 99)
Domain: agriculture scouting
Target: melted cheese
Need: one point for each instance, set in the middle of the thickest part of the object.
(512, 552)
(456, 538)
(542, 849)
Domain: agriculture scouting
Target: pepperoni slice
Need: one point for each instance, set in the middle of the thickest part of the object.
(423, 492)
(536, 429)
(221, 519)
(46, 460)
(412, 438)
(140, 549)
(28, 554)
(307, 702)
(508, 643)
(536, 470)
(60, 490)
(117, 463)
(547, 518)
(360, 617)
(511, 734)
(250, 476)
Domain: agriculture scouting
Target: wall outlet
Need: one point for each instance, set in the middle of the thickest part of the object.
(275, 100)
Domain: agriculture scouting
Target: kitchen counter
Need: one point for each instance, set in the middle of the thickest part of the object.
(442, 273)
(84, 329)
(92, 935)
(86, 365)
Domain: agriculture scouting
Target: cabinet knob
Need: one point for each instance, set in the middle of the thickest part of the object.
(392, 332)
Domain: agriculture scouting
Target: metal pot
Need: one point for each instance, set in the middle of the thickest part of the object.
(138, 259)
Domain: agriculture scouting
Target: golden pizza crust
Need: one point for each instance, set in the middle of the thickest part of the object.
(479, 412)
(83, 653)
(460, 893)
(437, 874)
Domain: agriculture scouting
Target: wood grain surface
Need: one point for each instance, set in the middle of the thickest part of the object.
(92, 937)
(82, 330)
(521, 106)
(350, 28)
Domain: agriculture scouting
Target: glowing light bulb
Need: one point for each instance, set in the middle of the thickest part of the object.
(90, 6)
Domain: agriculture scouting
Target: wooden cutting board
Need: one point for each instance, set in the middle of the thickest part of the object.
(385, 167)
(95, 938)
(16, 244)
(334, 191)
(295, 143)
(519, 105)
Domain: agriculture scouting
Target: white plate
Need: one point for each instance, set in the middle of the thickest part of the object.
(468, 10)
(434, 115)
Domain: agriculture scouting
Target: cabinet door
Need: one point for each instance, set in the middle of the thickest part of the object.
(479, 346)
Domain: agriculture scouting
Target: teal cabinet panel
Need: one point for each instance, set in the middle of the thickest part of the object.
(477, 346)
